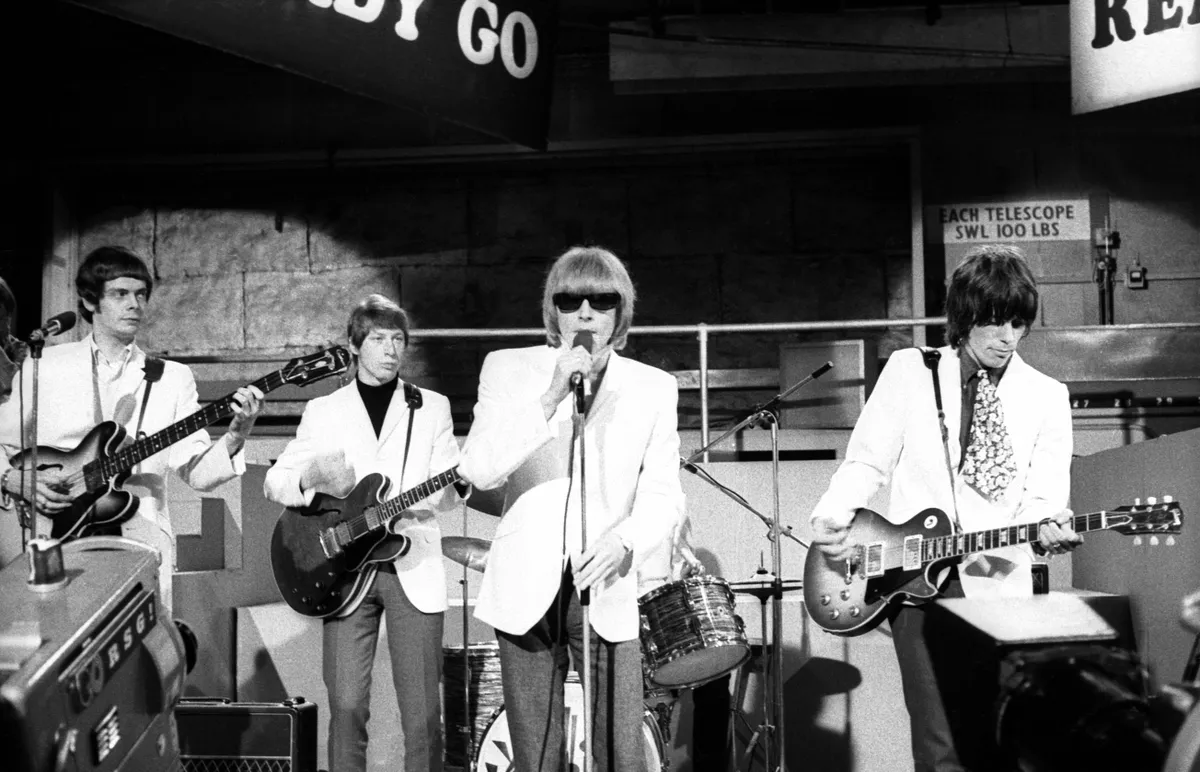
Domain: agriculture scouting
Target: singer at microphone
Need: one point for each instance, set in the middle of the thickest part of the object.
(623, 461)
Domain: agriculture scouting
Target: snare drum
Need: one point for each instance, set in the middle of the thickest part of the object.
(690, 633)
(495, 750)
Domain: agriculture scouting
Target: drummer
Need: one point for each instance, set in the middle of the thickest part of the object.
(712, 729)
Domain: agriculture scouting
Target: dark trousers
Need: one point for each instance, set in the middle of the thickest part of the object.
(932, 742)
(712, 726)
(533, 671)
(415, 644)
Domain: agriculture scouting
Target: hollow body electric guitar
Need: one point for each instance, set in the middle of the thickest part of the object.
(325, 555)
(97, 466)
(899, 562)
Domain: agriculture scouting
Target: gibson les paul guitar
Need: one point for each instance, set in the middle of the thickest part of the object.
(898, 562)
(97, 466)
(325, 555)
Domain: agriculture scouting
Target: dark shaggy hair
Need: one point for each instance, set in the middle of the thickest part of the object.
(102, 265)
(992, 285)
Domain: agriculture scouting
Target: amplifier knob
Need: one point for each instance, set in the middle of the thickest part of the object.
(825, 600)
(845, 594)
(835, 614)
(855, 611)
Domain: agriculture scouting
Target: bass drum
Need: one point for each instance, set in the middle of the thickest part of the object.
(495, 750)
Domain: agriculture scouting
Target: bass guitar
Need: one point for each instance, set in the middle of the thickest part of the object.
(325, 555)
(898, 562)
(97, 466)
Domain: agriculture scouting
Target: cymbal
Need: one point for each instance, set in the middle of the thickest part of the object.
(467, 550)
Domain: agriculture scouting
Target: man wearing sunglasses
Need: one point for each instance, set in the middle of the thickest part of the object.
(539, 562)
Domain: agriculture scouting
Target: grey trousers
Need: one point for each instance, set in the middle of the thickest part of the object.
(534, 669)
(415, 644)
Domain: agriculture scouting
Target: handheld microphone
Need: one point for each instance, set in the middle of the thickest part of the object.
(586, 339)
(55, 325)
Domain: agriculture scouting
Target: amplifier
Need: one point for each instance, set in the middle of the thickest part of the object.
(219, 735)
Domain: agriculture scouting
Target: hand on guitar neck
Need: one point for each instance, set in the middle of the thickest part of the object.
(1055, 537)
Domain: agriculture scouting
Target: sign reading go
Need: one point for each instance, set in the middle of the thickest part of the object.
(482, 63)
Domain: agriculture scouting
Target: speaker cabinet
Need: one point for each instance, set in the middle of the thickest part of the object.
(219, 735)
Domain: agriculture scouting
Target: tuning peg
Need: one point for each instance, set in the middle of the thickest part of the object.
(1137, 502)
(1151, 501)
(1137, 541)
(1170, 541)
(1168, 499)
(1153, 541)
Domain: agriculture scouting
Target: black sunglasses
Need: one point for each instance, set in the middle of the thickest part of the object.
(599, 301)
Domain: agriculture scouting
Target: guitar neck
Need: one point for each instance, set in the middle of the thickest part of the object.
(959, 544)
(393, 508)
(129, 457)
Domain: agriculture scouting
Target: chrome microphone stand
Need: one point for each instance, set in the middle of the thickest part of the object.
(578, 398)
(771, 729)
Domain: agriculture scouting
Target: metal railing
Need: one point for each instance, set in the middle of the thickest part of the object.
(702, 332)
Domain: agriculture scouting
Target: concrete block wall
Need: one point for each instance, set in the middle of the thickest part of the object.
(271, 266)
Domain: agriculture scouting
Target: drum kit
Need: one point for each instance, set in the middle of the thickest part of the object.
(690, 635)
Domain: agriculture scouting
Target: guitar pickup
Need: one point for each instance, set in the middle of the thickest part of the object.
(911, 560)
(873, 559)
(330, 544)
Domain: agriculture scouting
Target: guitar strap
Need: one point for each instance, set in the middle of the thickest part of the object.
(932, 356)
(153, 370)
(412, 396)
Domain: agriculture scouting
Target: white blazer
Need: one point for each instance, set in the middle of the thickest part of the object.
(66, 413)
(632, 477)
(897, 441)
(340, 421)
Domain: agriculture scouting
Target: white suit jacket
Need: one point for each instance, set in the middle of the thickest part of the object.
(340, 421)
(66, 413)
(897, 440)
(632, 478)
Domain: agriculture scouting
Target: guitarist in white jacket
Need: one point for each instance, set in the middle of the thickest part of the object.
(1006, 460)
(376, 424)
(102, 378)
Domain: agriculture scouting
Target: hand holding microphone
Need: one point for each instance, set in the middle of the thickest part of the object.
(571, 373)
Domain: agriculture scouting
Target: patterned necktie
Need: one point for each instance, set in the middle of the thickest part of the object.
(989, 466)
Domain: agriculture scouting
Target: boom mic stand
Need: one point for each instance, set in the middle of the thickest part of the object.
(772, 720)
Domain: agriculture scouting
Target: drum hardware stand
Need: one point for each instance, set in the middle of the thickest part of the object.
(467, 730)
(770, 731)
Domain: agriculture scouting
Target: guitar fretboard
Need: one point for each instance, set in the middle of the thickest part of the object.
(381, 516)
(955, 545)
(127, 458)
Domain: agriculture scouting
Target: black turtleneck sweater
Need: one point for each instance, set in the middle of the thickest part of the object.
(376, 400)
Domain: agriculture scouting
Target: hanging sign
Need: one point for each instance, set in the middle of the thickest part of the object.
(1127, 50)
(482, 63)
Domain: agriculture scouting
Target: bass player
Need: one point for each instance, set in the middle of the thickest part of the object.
(1006, 460)
(104, 377)
(380, 424)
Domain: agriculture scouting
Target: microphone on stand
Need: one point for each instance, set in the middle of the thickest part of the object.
(586, 339)
(55, 325)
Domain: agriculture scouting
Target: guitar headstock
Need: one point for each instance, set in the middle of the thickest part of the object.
(302, 371)
(1153, 517)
